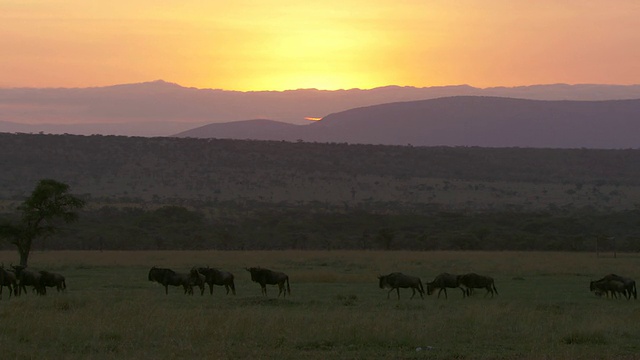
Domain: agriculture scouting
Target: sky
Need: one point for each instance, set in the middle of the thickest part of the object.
(251, 45)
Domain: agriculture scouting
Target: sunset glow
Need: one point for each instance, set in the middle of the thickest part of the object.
(268, 45)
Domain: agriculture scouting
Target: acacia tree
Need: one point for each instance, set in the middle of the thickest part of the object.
(39, 214)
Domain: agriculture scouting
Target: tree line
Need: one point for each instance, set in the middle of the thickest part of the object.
(277, 227)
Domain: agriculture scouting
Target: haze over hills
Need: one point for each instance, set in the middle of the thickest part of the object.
(160, 108)
(460, 121)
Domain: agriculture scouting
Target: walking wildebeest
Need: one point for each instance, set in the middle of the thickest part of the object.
(197, 279)
(474, 281)
(218, 277)
(398, 280)
(168, 277)
(49, 279)
(26, 277)
(8, 279)
(442, 282)
(266, 277)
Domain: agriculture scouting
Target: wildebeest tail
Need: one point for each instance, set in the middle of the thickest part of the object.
(421, 288)
(633, 289)
(233, 287)
(288, 288)
(64, 284)
(493, 285)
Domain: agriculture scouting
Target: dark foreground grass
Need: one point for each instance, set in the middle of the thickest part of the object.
(111, 311)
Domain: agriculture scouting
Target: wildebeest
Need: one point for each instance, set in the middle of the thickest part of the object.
(218, 277)
(608, 287)
(442, 282)
(397, 280)
(474, 281)
(8, 279)
(197, 279)
(266, 277)
(629, 284)
(610, 284)
(27, 277)
(50, 279)
(168, 277)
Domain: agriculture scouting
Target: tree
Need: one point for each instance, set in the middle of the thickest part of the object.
(39, 213)
(386, 237)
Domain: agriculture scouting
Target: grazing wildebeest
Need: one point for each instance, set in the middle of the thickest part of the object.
(50, 279)
(610, 284)
(606, 286)
(26, 277)
(629, 284)
(442, 282)
(397, 280)
(218, 277)
(8, 279)
(266, 277)
(474, 281)
(168, 277)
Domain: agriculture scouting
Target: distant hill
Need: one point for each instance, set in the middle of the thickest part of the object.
(248, 130)
(161, 108)
(459, 121)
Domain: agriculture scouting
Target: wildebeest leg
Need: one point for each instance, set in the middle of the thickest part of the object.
(398, 291)
(211, 288)
(414, 293)
(389, 293)
(264, 289)
(445, 293)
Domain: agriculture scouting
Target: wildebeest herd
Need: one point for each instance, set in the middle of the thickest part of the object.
(201, 276)
(17, 278)
(466, 283)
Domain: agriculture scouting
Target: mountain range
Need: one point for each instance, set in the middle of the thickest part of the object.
(557, 115)
(459, 121)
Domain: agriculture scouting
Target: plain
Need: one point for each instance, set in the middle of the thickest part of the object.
(336, 310)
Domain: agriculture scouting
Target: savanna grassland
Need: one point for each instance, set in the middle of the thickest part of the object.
(336, 310)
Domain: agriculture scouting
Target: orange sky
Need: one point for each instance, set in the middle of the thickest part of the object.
(290, 44)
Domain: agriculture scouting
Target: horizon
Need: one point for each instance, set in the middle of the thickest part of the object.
(247, 46)
(163, 81)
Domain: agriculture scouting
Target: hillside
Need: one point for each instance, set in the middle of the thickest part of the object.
(170, 170)
(172, 193)
(460, 121)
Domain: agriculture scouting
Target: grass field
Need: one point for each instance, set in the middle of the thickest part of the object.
(336, 310)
